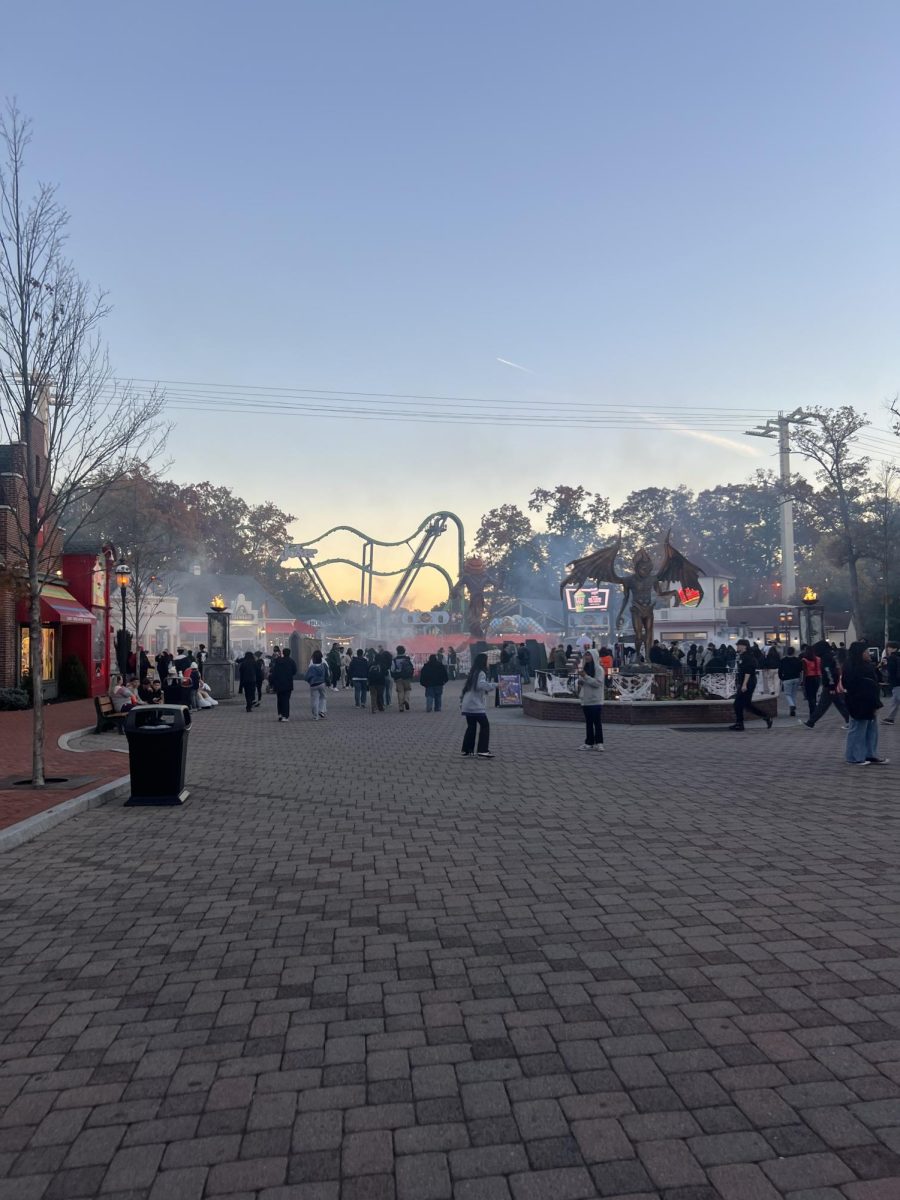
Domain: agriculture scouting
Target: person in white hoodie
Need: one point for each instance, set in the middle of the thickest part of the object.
(593, 679)
(474, 709)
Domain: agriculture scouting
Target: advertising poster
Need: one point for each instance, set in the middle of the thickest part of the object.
(510, 691)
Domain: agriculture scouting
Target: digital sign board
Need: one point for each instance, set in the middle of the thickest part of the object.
(587, 599)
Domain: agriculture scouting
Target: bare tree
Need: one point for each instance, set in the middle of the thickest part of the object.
(829, 441)
(60, 407)
(883, 530)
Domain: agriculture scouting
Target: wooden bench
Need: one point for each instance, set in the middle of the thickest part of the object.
(107, 717)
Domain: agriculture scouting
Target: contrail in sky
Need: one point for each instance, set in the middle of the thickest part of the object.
(701, 435)
(515, 366)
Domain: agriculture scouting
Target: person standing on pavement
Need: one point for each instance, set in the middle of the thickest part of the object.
(247, 679)
(260, 676)
(892, 669)
(402, 672)
(593, 678)
(281, 677)
(811, 666)
(452, 663)
(334, 666)
(770, 671)
(745, 681)
(474, 709)
(318, 677)
(862, 691)
(358, 674)
(432, 677)
(789, 672)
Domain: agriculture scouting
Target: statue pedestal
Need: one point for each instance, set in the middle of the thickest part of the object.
(219, 674)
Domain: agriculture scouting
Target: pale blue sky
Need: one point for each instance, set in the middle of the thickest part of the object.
(644, 203)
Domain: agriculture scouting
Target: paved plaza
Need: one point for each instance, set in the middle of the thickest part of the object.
(356, 966)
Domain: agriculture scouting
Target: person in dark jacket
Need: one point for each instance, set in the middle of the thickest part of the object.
(247, 679)
(432, 677)
(863, 695)
(831, 680)
(359, 677)
(260, 675)
(789, 672)
(282, 676)
(746, 685)
(892, 672)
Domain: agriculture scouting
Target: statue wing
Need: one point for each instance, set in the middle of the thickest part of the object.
(676, 568)
(599, 566)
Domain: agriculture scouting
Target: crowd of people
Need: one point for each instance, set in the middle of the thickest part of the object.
(170, 679)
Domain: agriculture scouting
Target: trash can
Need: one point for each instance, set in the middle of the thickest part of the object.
(157, 753)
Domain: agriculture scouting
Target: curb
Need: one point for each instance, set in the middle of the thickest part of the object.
(32, 827)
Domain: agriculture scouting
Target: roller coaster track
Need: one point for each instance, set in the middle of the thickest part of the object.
(430, 530)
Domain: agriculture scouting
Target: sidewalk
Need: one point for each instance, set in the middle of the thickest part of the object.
(85, 771)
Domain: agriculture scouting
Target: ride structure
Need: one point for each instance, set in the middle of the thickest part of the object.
(421, 543)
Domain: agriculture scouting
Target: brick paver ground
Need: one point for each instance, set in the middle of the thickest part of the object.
(358, 967)
(97, 764)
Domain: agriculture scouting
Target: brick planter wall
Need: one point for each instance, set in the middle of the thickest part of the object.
(647, 712)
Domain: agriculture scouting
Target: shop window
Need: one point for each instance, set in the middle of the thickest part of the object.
(48, 652)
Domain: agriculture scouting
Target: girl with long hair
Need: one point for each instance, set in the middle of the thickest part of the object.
(474, 709)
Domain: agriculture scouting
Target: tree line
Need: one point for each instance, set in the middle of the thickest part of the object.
(846, 527)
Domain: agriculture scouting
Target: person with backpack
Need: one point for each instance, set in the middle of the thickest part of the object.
(432, 677)
(358, 675)
(863, 695)
(375, 678)
(281, 676)
(789, 671)
(318, 677)
(247, 677)
(474, 709)
(402, 673)
(334, 666)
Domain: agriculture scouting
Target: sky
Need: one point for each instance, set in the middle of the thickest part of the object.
(689, 208)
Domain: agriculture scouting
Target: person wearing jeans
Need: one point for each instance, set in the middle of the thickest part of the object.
(862, 691)
(592, 678)
(402, 671)
(789, 672)
(358, 674)
(432, 677)
(893, 681)
(474, 709)
(282, 675)
(318, 678)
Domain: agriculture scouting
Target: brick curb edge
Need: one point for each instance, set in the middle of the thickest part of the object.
(32, 827)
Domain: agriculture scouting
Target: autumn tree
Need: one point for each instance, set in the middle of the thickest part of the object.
(646, 515)
(61, 410)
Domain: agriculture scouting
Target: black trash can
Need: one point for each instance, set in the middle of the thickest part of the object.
(157, 753)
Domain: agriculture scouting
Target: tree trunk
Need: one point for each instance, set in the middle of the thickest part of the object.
(855, 605)
(37, 678)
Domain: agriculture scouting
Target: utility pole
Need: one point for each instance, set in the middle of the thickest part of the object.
(780, 428)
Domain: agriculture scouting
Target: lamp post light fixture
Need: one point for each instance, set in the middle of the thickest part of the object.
(811, 616)
(123, 579)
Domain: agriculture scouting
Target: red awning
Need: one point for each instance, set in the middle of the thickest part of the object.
(57, 606)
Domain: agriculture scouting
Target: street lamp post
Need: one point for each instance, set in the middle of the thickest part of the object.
(123, 579)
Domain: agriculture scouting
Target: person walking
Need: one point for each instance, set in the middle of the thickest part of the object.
(281, 677)
(811, 666)
(375, 679)
(318, 677)
(474, 709)
(745, 681)
(432, 677)
(402, 672)
(770, 671)
(452, 663)
(862, 691)
(247, 679)
(831, 691)
(789, 672)
(892, 669)
(385, 659)
(260, 676)
(358, 674)
(593, 678)
(334, 666)
(276, 654)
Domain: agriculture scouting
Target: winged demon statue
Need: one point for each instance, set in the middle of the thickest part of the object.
(643, 587)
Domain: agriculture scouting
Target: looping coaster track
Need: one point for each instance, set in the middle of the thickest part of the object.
(428, 532)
